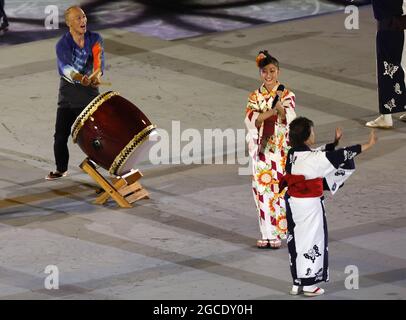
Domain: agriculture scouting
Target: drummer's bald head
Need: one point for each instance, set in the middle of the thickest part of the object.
(69, 11)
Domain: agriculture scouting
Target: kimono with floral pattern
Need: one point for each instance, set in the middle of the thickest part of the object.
(268, 159)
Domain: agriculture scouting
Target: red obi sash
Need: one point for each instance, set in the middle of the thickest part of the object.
(299, 187)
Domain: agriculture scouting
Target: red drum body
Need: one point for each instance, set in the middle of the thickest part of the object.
(113, 133)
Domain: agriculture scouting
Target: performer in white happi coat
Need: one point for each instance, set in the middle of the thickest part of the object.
(309, 172)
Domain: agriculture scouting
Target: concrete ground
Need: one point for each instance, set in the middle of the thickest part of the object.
(168, 20)
(195, 238)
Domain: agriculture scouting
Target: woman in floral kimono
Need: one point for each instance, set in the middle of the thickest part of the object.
(269, 111)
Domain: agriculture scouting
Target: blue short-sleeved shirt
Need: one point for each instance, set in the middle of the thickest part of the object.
(72, 58)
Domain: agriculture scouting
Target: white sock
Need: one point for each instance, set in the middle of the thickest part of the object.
(387, 118)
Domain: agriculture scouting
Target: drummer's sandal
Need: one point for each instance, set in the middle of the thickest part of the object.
(56, 175)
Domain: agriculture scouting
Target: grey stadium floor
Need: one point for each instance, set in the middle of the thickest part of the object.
(195, 238)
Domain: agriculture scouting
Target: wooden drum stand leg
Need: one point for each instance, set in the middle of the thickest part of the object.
(124, 190)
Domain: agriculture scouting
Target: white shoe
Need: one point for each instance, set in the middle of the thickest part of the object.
(403, 117)
(296, 290)
(380, 122)
(312, 291)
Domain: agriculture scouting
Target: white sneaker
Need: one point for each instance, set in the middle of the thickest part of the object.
(312, 291)
(380, 122)
(296, 290)
(403, 117)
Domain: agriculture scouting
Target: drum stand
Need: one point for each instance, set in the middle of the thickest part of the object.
(125, 190)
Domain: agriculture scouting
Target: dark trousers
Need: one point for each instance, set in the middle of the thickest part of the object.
(3, 17)
(73, 98)
(65, 117)
(390, 46)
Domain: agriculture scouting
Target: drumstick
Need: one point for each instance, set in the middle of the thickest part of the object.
(103, 83)
(94, 73)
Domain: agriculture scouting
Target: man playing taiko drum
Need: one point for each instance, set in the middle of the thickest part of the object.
(80, 57)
